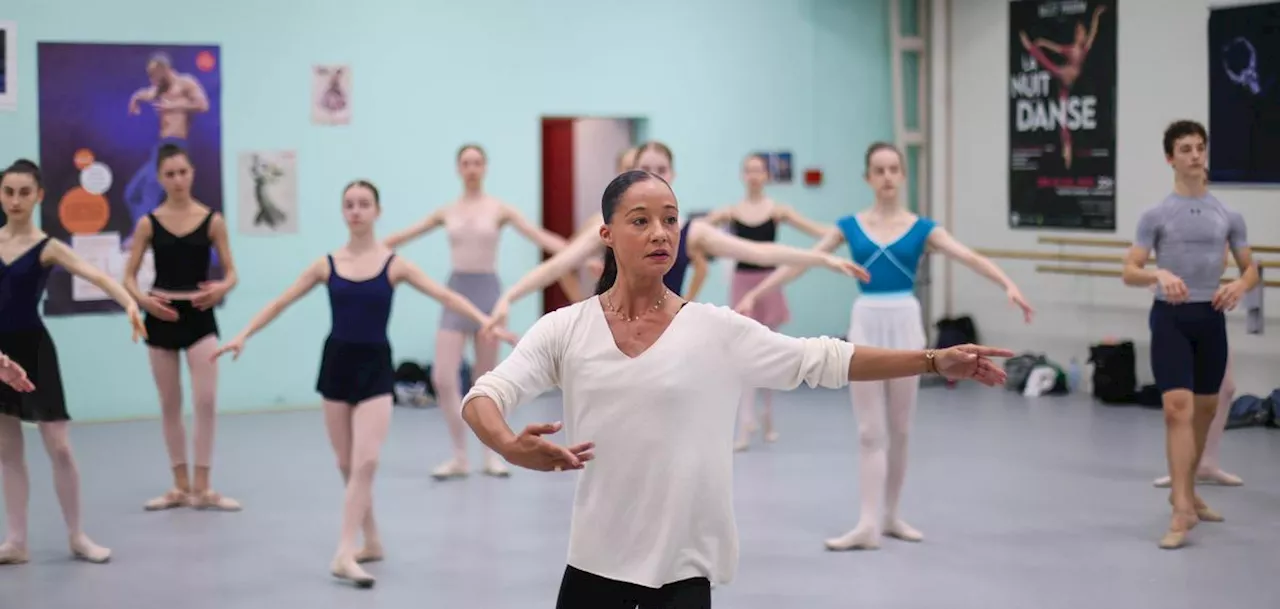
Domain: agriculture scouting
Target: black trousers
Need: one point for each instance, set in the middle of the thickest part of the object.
(582, 590)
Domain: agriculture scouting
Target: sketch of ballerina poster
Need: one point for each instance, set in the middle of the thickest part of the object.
(267, 193)
(331, 95)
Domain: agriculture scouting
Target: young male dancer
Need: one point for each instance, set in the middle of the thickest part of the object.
(1189, 231)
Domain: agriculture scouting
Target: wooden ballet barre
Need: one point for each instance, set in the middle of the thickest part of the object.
(1257, 249)
(1073, 270)
(1050, 256)
(1064, 257)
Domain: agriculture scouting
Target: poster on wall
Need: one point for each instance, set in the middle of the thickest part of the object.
(331, 95)
(105, 111)
(267, 192)
(8, 67)
(779, 166)
(1062, 114)
(1244, 94)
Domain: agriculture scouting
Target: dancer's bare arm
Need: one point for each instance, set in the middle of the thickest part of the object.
(431, 222)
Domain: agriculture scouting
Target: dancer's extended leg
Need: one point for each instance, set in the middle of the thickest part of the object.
(204, 390)
(165, 367)
(337, 418)
(486, 359)
(17, 490)
(1210, 470)
(370, 422)
(869, 408)
(66, 484)
(445, 373)
(901, 410)
(1179, 408)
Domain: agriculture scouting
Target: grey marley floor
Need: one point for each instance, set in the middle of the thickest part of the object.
(1039, 504)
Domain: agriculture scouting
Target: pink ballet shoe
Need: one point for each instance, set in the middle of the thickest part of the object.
(450, 469)
(494, 466)
(13, 554)
(213, 500)
(171, 499)
(899, 529)
(348, 570)
(857, 539)
(83, 548)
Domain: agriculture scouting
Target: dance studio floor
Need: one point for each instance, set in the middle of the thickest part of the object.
(1045, 504)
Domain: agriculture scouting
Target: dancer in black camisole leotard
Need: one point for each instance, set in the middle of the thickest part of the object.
(27, 256)
(182, 234)
(356, 377)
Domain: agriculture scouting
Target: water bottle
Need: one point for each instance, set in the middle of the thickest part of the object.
(1073, 375)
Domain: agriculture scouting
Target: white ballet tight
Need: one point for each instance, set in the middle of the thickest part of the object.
(883, 410)
(17, 490)
(445, 378)
(357, 434)
(167, 370)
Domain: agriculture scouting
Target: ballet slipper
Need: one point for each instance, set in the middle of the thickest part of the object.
(741, 445)
(83, 548)
(494, 466)
(346, 569)
(859, 538)
(898, 529)
(13, 554)
(1204, 513)
(1212, 476)
(1219, 477)
(213, 500)
(1176, 536)
(171, 499)
(452, 468)
(371, 552)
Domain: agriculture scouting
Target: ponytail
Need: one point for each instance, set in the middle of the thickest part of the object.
(610, 274)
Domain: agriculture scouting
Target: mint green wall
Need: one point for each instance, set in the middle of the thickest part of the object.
(714, 78)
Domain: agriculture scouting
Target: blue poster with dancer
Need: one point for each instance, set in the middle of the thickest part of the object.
(105, 111)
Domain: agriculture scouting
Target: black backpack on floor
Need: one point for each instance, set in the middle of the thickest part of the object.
(1115, 373)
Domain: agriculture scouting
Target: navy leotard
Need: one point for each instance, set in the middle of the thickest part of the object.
(356, 365)
(674, 279)
(25, 340)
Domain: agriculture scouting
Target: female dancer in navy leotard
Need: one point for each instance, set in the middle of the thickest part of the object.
(27, 256)
(356, 375)
(13, 375)
(890, 241)
(695, 236)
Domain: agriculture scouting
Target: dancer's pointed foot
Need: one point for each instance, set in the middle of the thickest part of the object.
(346, 568)
(213, 500)
(13, 553)
(175, 497)
(1204, 513)
(1179, 526)
(899, 529)
(860, 538)
(453, 468)
(83, 548)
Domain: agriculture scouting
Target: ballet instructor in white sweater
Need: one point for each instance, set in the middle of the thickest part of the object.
(651, 386)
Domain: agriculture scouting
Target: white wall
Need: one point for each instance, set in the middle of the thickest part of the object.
(1162, 72)
(596, 144)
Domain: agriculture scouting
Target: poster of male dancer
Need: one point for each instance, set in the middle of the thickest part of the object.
(105, 110)
(1062, 114)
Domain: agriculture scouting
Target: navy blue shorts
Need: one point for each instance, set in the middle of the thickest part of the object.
(1188, 346)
